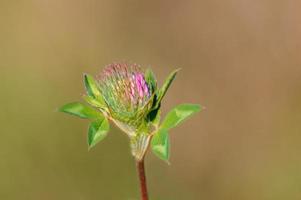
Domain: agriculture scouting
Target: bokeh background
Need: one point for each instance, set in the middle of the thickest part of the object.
(241, 59)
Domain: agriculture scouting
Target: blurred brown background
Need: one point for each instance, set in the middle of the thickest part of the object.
(239, 58)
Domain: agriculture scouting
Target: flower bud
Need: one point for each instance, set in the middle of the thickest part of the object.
(129, 99)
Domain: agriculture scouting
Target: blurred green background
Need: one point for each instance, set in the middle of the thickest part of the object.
(241, 59)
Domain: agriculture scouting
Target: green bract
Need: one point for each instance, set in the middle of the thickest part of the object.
(128, 97)
(97, 131)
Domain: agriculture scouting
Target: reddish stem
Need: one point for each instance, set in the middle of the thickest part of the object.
(142, 179)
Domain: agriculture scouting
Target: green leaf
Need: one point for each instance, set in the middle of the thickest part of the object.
(79, 110)
(160, 94)
(179, 114)
(94, 96)
(166, 85)
(97, 131)
(160, 144)
(151, 79)
(91, 86)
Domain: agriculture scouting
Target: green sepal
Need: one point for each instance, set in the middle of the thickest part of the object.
(179, 114)
(94, 96)
(160, 144)
(97, 131)
(79, 110)
(166, 85)
(91, 86)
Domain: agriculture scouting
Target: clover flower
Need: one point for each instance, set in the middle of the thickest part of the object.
(127, 96)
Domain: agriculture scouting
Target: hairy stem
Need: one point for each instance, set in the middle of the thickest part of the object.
(142, 179)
